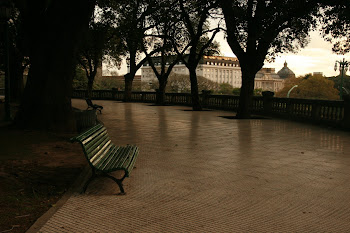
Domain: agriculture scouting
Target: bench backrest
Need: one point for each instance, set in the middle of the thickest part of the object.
(95, 143)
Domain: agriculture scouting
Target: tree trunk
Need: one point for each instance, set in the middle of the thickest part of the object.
(161, 91)
(89, 87)
(246, 96)
(53, 32)
(196, 105)
(16, 78)
(128, 79)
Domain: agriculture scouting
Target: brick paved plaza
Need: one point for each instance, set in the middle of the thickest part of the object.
(200, 172)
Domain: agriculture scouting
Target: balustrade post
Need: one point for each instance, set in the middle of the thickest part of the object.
(346, 119)
(205, 98)
(315, 111)
(114, 93)
(189, 100)
(224, 102)
(267, 102)
(289, 107)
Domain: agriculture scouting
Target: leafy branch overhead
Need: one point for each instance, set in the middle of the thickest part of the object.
(257, 30)
(335, 23)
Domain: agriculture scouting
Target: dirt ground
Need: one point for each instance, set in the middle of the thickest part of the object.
(36, 168)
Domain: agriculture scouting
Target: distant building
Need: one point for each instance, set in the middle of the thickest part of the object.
(317, 74)
(215, 68)
(267, 80)
(285, 72)
(224, 70)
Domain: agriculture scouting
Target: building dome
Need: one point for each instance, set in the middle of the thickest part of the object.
(285, 72)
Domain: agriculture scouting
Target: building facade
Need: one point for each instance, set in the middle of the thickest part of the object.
(222, 70)
(215, 68)
(267, 80)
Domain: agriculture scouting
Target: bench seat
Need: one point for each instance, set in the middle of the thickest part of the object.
(104, 157)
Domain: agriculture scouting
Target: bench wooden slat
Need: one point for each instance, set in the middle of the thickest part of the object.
(95, 159)
(125, 162)
(87, 133)
(113, 160)
(105, 157)
(96, 145)
(116, 161)
(92, 138)
(134, 155)
(108, 158)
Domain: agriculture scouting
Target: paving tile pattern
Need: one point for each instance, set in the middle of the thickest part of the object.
(200, 172)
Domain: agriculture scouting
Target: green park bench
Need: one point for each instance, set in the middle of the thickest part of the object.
(93, 106)
(104, 157)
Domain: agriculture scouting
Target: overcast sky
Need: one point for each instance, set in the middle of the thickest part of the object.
(316, 57)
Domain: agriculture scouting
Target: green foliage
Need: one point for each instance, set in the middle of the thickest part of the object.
(149, 86)
(258, 30)
(107, 83)
(100, 44)
(79, 81)
(310, 87)
(181, 84)
(337, 83)
(336, 24)
(258, 92)
(226, 89)
(213, 49)
(276, 26)
(236, 91)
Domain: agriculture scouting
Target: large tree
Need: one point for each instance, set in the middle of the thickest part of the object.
(53, 31)
(196, 30)
(160, 38)
(131, 22)
(342, 83)
(17, 60)
(259, 29)
(100, 45)
(336, 24)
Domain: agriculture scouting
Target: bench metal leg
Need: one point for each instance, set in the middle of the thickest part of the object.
(118, 181)
(89, 180)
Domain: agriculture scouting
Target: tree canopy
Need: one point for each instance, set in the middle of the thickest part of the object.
(101, 44)
(257, 30)
(346, 83)
(335, 23)
(310, 87)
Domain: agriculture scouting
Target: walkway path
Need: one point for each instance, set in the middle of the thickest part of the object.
(200, 172)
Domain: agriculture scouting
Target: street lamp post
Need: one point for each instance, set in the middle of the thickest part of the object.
(290, 90)
(343, 68)
(5, 14)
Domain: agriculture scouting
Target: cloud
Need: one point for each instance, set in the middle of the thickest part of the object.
(316, 57)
